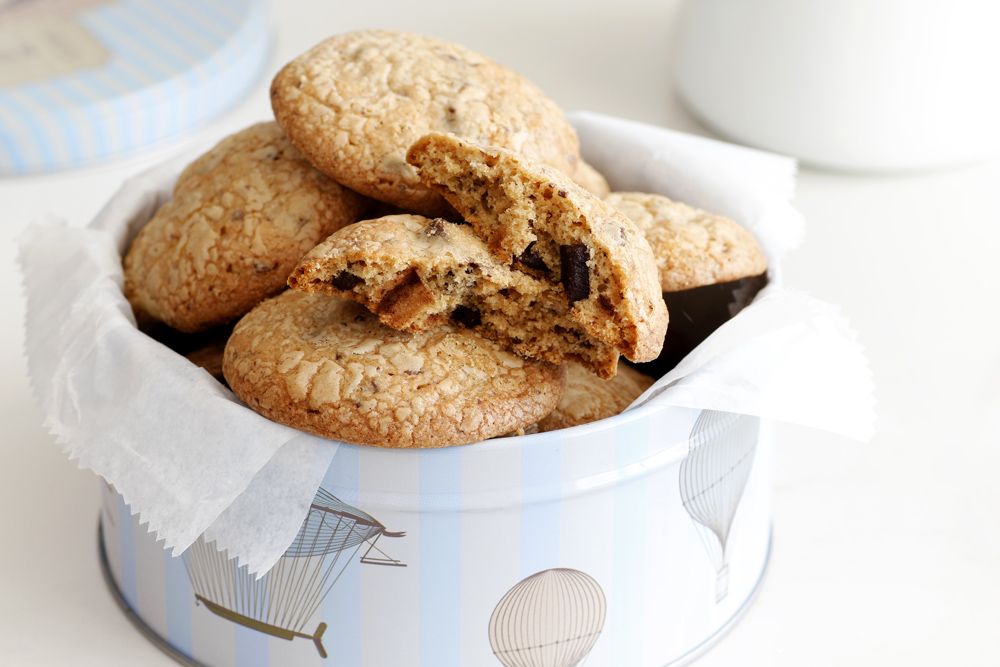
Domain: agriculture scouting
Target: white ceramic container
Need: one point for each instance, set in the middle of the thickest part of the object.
(888, 85)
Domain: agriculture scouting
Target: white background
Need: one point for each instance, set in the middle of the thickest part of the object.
(886, 553)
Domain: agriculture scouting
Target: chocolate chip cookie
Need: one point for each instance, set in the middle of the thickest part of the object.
(417, 273)
(541, 223)
(241, 216)
(692, 247)
(325, 365)
(355, 102)
(591, 180)
(588, 398)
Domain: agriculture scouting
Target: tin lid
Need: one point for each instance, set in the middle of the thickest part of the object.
(86, 80)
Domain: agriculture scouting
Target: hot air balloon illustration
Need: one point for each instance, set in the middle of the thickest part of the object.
(713, 477)
(281, 602)
(551, 619)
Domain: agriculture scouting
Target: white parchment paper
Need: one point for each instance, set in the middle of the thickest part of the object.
(186, 455)
(190, 459)
(787, 356)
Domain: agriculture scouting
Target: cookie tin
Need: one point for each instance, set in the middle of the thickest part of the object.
(87, 80)
(636, 540)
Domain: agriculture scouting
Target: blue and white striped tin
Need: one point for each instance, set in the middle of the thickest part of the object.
(632, 541)
(167, 67)
(639, 539)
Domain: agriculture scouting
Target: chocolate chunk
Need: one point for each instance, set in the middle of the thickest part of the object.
(346, 280)
(466, 316)
(531, 259)
(405, 301)
(575, 274)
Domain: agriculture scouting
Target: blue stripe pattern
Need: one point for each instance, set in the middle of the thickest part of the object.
(40, 147)
(629, 540)
(342, 608)
(171, 68)
(439, 568)
(541, 470)
(180, 602)
(440, 560)
(13, 152)
(66, 119)
(86, 113)
(251, 647)
(126, 555)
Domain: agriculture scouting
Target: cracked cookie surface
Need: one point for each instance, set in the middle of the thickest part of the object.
(591, 180)
(693, 248)
(588, 398)
(355, 102)
(327, 366)
(542, 223)
(417, 273)
(240, 217)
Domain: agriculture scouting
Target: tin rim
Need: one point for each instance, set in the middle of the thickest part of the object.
(166, 647)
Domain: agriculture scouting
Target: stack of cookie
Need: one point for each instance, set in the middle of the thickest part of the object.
(457, 272)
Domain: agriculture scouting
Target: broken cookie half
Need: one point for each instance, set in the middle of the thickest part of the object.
(539, 223)
(417, 273)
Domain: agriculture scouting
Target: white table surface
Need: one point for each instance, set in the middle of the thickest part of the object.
(885, 554)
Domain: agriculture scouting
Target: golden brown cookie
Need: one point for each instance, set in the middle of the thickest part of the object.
(325, 365)
(591, 180)
(692, 247)
(241, 216)
(542, 223)
(588, 398)
(417, 273)
(355, 102)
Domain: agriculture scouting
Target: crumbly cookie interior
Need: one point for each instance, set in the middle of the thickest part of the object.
(525, 221)
(529, 315)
